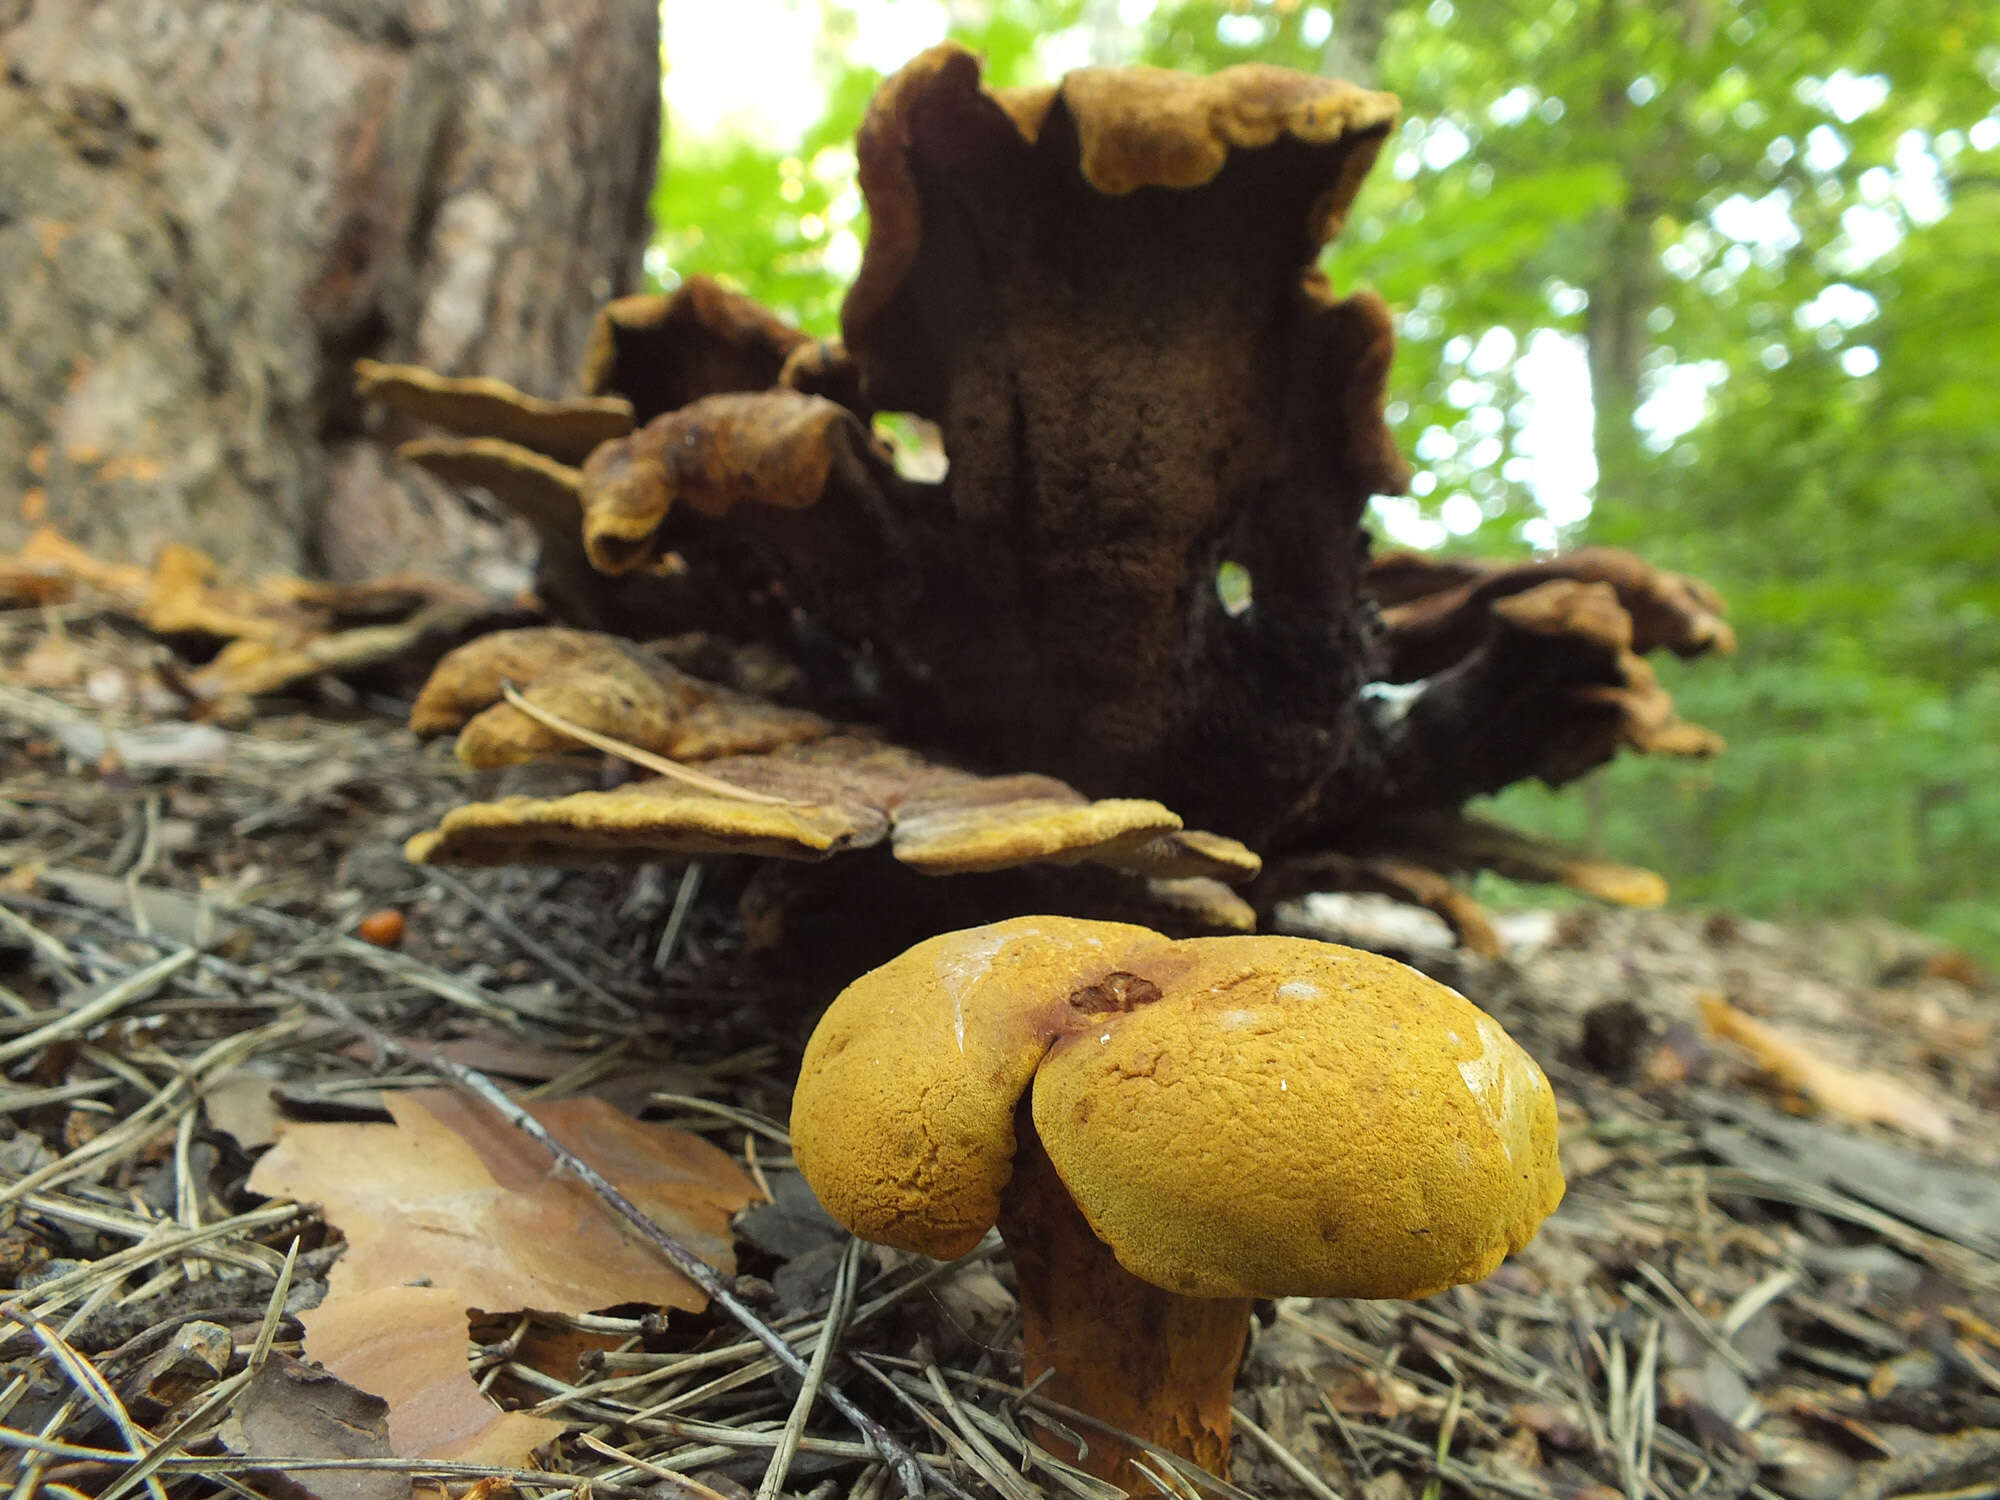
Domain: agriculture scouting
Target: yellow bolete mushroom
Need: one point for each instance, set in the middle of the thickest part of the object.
(1164, 1130)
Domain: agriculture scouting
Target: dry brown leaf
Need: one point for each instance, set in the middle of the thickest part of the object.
(408, 1345)
(1850, 1093)
(275, 632)
(452, 1195)
(24, 588)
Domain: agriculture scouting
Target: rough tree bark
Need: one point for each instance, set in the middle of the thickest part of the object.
(210, 208)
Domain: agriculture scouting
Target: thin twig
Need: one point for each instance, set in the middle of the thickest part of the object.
(134, 987)
(780, 1467)
(179, 1094)
(748, 1119)
(549, 719)
(1286, 1459)
(670, 935)
(533, 946)
(676, 1481)
(52, 952)
(1007, 1482)
(83, 1375)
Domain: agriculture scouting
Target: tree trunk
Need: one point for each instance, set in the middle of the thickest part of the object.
(1359, 28)
(210, 208)
(1616, 341)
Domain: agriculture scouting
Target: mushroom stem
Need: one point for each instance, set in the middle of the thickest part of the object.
(1133, 1355)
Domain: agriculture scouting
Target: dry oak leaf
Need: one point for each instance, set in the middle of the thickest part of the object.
(407, 1344)
(1854, 1094)
(451, 1195)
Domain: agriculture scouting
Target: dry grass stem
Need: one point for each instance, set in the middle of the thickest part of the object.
(646, 758)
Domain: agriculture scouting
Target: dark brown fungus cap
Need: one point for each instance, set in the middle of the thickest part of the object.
(1435, 609)
(1104, 294)
(541, 490)
(565, 430)
(774, 448)
(661, 352)
(1122, 129)
(1126, 129)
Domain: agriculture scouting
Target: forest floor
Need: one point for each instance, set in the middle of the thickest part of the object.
(1776, 1273)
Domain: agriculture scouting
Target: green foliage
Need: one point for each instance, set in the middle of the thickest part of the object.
(1771, 229)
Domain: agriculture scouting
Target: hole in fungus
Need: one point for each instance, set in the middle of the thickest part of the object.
(1119, 992)
(1232, 588)
(916, 447)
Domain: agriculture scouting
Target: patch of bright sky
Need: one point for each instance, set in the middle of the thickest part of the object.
(747, 67)
(1839, 305)
(1677, 400)
(1844, 95)
(1060, 52)
(1919, 179)
(1444, 143)
(1240, 29)
(1826, 149)
(710, 51)
(1860, 360)
(1554, 439)
(1512, 107)
(1765, 222)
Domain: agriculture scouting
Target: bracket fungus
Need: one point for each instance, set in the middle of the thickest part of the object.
(1163, 1130)
(773, 781)
(1105, 295)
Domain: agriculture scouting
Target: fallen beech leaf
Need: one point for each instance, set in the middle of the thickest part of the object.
(452, 1195)
(408, 1345)
(1851, 1093)
(291, 1410)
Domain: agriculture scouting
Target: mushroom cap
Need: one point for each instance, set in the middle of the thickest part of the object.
(1235, 1117)
(903, 1121)
(1294, 1118)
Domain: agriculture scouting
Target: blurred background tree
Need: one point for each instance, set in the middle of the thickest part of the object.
(210, 208)
(1713, 277)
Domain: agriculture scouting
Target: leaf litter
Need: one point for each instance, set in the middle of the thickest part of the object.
(1736, 1299)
